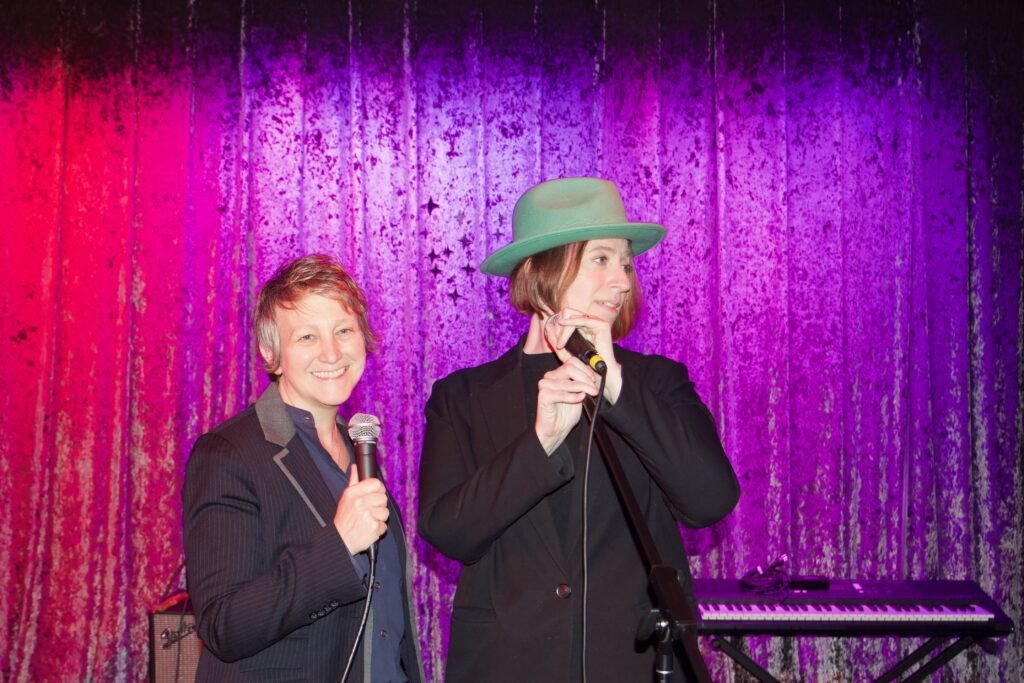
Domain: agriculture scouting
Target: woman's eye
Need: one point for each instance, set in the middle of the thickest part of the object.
(344, 331)
(306, 337)
(600, 260)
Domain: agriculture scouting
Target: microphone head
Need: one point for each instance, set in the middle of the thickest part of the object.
(363, 428)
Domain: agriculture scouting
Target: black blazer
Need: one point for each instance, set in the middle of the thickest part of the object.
(484, 479)
(276, 595)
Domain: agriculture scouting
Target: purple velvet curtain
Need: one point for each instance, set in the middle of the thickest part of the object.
(841, 183)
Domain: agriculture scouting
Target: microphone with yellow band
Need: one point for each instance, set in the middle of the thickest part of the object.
(584, 350)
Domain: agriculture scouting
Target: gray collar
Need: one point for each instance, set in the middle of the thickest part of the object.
(277, 424)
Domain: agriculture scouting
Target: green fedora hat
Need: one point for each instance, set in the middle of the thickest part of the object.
(569, 210)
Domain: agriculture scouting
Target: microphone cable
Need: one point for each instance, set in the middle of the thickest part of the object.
(586, 495)
(362, 621)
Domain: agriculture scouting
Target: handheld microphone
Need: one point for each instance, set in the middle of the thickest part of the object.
(584, 350)
(364, 430)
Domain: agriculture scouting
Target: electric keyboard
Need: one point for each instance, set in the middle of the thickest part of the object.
(938, 610)
(852, 607)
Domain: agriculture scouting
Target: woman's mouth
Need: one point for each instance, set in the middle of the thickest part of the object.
(330, 374)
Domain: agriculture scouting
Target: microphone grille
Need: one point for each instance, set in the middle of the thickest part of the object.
(363, 427)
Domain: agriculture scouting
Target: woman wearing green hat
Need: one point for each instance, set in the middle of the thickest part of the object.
(553, 585)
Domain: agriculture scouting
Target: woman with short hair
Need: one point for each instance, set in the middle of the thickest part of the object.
(277, 524)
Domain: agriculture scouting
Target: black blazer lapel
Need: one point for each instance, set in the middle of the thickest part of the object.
(293, 460)
(297, 464)
(503, 401)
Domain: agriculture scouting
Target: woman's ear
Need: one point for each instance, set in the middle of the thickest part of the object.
(527, 265)
(268, 358)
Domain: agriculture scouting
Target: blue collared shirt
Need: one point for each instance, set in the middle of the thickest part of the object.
(386, 607)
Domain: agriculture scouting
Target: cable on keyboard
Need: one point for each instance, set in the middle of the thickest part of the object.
(770, 579)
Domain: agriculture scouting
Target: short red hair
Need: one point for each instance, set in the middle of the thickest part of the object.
(313, 274)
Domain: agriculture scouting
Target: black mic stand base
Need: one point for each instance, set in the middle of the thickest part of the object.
(674, 612)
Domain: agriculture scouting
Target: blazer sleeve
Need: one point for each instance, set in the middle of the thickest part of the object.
(469, 497)
(662, 418)
(246, 598)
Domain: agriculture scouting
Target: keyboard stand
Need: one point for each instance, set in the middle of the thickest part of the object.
(728, 647)
(733, 650)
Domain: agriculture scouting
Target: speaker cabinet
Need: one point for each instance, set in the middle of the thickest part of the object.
(174, 646)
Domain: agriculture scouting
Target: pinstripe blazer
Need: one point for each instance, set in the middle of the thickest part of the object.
(276, 595)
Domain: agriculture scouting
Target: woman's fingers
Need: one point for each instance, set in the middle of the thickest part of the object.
(595, 330)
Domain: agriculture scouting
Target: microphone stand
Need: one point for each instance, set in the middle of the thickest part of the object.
(673, 619)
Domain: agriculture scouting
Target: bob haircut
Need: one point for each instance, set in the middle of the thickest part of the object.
(539, 282)
(313, 274)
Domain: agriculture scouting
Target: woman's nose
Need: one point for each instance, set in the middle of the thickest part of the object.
(330, 349)
(620, 278)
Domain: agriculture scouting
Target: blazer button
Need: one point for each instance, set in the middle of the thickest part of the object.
(563, 591)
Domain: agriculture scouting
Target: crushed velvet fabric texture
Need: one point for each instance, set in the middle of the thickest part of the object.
(841, 184)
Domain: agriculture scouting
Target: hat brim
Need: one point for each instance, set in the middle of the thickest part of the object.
(641, 236)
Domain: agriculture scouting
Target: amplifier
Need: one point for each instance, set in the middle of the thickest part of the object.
(174, 646)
